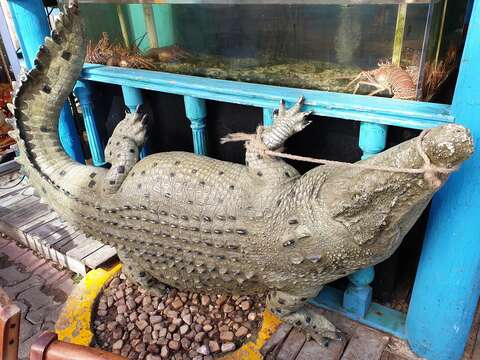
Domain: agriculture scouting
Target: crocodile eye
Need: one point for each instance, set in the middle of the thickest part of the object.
(289, 243)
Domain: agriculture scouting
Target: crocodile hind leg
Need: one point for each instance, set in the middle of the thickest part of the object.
(135, 273)
(291, 308)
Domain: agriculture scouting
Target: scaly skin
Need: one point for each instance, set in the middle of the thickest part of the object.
(193, 222)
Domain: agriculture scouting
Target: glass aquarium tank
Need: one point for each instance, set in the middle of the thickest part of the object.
(402, 49)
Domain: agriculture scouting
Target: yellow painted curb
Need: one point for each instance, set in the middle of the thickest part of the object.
(251, 350)
(74, 324)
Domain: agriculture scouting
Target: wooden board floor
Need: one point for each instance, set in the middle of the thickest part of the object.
(25, 219)
(359, 343)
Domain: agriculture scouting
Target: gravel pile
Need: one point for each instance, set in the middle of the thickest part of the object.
(178, 325)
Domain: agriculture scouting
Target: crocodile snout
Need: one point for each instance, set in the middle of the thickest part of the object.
(448, 145)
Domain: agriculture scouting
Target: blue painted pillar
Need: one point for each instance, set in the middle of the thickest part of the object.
(267, 117)
(358, 295)
(447, 285)
(196, 112)
(132, 97)
(83, 93)
(32, 26)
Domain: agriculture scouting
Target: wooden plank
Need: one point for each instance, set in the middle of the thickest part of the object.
(277, 338)
(99, 257)
(387, 355)
(342, 323)
(47, 229)
(38, 222)
(60, 236)
(292, 345)
(49, 252)
(13, 185)
(313, 350)
(12, 201)
(42, 220)
(84, 246)
(27, 214)
(9, 166)
(78, 240)
(8, 176)
(366, 344)
(49, 248)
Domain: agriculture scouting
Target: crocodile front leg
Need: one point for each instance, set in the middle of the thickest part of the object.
(291, 308)
(122, 149)
(287, 122)
(135, 273)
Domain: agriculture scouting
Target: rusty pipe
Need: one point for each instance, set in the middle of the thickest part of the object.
(48, 347)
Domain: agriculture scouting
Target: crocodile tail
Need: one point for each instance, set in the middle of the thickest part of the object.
(41, 96)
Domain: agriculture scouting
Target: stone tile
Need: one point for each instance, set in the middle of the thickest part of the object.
(36, 286)
(45, 314)
(12, 275)
(14, 290)
(4, 242)
(35, 298)
(24, 350)
(47, 271)
(66, 285)
(31, 262)
(13, 251)
(27, 330)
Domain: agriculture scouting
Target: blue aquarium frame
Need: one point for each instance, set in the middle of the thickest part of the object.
(446, 289)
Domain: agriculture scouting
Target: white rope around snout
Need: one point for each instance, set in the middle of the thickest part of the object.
(254, 142)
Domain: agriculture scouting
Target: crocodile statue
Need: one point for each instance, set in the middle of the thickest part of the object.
(193, 222)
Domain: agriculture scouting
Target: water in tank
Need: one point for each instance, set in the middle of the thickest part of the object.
(397, 48)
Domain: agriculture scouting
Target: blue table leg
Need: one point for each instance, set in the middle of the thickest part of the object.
(358, 295)
(447, 285)
(83, 93)
(32, 26)
(132, 98)
(196, 112)
(267, 117)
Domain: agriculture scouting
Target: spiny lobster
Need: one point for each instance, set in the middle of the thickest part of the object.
(388, 77)
(106, 53)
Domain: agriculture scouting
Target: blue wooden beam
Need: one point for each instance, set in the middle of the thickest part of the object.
(83, 93)
(196, 112)
(31, 25)
(410, 114)
(447, 285)
(132, 97)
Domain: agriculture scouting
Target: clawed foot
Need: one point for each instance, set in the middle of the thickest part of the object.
(287, 122)
(293, 117)
(315, 325)
(133, 126)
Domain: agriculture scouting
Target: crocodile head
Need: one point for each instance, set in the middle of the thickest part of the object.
(361, 215)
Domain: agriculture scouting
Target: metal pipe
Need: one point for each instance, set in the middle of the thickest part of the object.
(399, 34)
(150, 23)
(440, 33)
(123, 26)
(47, 347)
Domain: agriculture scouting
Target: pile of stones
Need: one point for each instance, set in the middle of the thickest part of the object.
(178, 325)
